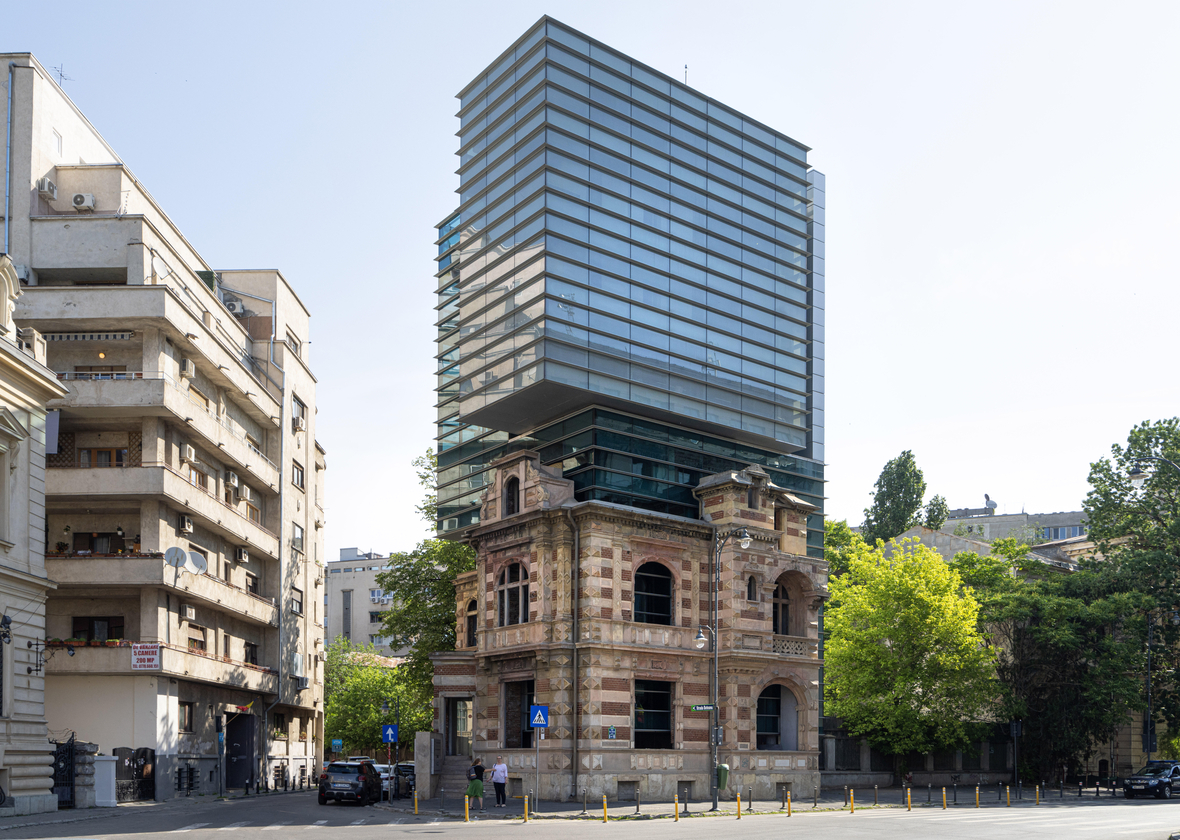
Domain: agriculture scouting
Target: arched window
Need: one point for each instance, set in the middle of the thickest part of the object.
(778, 719)
(512, 594)
(653, 594)
(781, 611)
(512, 496)
(751, 589)
(471, 609)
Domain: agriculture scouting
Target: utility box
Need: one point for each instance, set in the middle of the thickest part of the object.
(722, 776)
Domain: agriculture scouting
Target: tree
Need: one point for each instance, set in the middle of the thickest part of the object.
(357, 681)
(421, 583)
(936, 513)
(896, 500)
(840, 542)
(905, 664)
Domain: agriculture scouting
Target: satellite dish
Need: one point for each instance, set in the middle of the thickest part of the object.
(988, 503)
(175, 557)
(196, 564)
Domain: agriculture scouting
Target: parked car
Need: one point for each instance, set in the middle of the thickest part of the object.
(350, 781)
(1157, 779)
(383, 770)
(405, 773)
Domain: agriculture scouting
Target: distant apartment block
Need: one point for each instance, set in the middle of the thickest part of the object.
(354, 605)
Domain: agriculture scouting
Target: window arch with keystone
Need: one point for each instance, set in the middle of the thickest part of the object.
(512, 595)
(653, 594)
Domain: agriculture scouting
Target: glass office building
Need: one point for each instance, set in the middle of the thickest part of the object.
(632, 284)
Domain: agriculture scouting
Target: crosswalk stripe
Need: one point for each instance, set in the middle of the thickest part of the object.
(189, 828)
(318, 824)
(232, 826)
(276, 826)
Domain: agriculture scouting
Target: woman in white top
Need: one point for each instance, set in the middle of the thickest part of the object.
(500, 780)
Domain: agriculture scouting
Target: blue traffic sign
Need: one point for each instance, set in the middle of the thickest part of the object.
(539, 717)
(337, 744)
(389, 733)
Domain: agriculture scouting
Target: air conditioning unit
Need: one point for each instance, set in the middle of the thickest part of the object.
(187, 368)
(47, 189)
(298, 424)
(188, 612)
(321, 657)
(186, 524)
(236, 307)
(245, 493)
(83, 201)
(188, 454)
(231, 478)
(242, 555)
(302, 683)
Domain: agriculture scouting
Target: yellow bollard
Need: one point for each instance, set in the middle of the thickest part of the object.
(739, 805)
(909, 805)
(977, 796)
(788, 803)
(944, 799)
(466, 809)
(415, 803)
(526, 807)
(676, 805)
(1038, 790)
(1008, 793)
(852, 801)
(604, 807)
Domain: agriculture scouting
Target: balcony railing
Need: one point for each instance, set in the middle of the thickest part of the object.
(793, 645)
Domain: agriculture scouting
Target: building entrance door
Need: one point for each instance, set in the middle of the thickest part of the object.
(239, 751)
(459, 721)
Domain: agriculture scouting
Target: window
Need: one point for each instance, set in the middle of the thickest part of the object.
(185, 715)
(56, 142)
(512, 593)
(92, 458)
(375, 617)
(98, 542)
(198, 479)
(512, 496)
(752, 500)
(653, 715)
(225, 571)
(196, 638)
(653, 594)
(470, 637)
(297, 537)
(250, 653)
(518, 696)
(281, 722)
(254, 513)
(251, 583)
(346, 613)
(297, 475)
(98, 629)
(781, 611)
(199, 398)
(225, 646)
(295, 344)
(752, 589)
(778, 720)
(298, 414)
(296, 601)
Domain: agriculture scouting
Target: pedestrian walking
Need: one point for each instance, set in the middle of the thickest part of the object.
(475, 781)
(500, 780)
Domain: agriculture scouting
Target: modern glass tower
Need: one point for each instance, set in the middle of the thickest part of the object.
(633, 285)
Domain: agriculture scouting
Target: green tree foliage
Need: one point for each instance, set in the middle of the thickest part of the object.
(421, 583)
(840, 542)
(896, 499)
(905, 664)
(356, 683)
(936, 513)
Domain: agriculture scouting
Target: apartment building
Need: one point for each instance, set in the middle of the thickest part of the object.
(184, 483)
(354, 605)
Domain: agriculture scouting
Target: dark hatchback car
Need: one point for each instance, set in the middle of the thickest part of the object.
(350, 781)
(1157, 779)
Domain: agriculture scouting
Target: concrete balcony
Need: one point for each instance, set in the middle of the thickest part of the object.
(800, 647)
(102, 571)
(218, 348)
(174, 662)
(141, 483)
(133, 394)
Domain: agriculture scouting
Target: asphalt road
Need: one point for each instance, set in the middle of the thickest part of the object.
(298, 815)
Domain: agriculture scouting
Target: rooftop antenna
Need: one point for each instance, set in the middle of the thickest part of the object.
(686, 74)
(60, 70)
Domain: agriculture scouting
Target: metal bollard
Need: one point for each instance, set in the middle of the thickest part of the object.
(977, 796)
(852, 799)
(1008, 791)
(784, 798)
(604, 807)
(676, 807)
(955, 786)
(1079, 790)
(750, 804)
(788, 803)
(583, 802)
(638, 800)
(739, 803)
(1061, 790)
(526, 807)
(928, 790)
(875, 803)
(466, 808)
(415, 802)
(845, 796)
(944, 798)
(815, 797)
(1096, 790)
(909, 806)
(686, 802)
(1038, 794)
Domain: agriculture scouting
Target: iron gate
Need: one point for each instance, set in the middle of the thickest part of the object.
(63, 773)
(135, 774)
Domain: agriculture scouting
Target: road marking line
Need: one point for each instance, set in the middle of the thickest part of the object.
(232, 826)
(276, 826)
(188, 828)
(357, 822)
(318, 824)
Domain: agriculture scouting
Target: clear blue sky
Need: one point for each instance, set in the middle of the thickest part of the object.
(1002, 213)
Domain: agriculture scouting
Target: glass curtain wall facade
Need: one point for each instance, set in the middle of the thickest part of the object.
(632, 285)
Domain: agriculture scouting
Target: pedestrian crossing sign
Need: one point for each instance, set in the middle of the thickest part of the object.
(539, 715)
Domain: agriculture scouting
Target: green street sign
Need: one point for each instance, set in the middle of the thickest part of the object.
(705, 708)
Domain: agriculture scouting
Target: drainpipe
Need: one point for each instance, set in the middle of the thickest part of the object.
(576, 580)
(8, 167)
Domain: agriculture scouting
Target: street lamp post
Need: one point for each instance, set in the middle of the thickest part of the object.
(720, 540)
(397, 747)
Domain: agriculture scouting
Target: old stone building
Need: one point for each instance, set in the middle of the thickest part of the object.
(616, 658)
